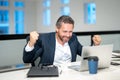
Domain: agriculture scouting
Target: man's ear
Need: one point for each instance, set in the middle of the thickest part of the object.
(56, 29)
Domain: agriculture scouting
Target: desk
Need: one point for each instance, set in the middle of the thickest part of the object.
(112, 73)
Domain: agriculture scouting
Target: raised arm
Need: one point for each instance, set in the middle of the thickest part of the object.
(96, 40)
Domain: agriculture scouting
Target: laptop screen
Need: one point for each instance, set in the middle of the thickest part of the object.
(103, 52)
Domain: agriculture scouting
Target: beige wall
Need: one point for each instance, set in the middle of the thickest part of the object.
(107, 15)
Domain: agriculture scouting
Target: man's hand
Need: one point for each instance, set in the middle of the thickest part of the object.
(33, 38)
(96, 40)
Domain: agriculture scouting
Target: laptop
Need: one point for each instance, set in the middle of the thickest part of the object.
(103, 52)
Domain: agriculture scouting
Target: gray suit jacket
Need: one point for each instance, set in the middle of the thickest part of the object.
(45, 49)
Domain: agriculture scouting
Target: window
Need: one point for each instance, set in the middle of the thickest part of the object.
(46, 12)
(4, 17)
(4, 3)
(65, 1)
(46, 17)
(19, 21)
(19, 4)
(90, 13)
(4, 21)
(19, 17)
(46, 3)
(65, 10)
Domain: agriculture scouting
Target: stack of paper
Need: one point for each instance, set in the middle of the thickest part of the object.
(116, 58)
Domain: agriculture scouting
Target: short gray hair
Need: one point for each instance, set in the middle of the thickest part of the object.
(64, 19)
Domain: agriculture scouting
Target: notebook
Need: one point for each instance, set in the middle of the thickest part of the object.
(43, 71)
(103, 52)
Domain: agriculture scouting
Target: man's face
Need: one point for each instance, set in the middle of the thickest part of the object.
(64, 33)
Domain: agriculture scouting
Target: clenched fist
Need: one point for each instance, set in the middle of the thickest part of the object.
(96, 40)
(33, 38)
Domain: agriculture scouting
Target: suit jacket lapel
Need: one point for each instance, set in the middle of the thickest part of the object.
(52, 46)
(72, 48)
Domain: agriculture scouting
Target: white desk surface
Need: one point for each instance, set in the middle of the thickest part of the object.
(112, 73)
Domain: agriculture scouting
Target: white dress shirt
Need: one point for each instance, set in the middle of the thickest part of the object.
(28, 48)
(62, 53)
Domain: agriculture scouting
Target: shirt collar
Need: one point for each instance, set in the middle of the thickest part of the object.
(58, 44)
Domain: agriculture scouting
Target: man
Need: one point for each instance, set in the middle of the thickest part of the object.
(61, 46)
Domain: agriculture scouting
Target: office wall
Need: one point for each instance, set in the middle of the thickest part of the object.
(11, 52)
(107, 15)
(112, 39)
(30, 15)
